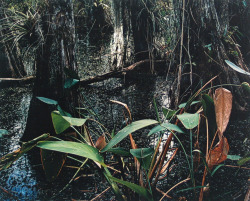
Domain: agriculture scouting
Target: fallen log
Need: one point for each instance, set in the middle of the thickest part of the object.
(115, 74)
(16, 81)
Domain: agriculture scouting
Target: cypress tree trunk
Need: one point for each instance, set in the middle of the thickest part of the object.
(57, 52)
(207, 40)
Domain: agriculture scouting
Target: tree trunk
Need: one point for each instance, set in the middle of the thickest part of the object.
(57, 52)
(206, 40)
(133, 32)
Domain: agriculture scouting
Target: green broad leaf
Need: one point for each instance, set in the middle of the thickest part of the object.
(168, 113)
(244, 159)
(3, 132)
(233, 157)
(236, 68)
(47, 100)
(60, 124)
(143, 155)
(71, 74)
(142, 152)
(52, 162)
(209, 111)
(127, 130)
(75, 121)
(62, 112)
(8, 159)
(184, 104)
(173, 127)
(156, 129)
(119, 151)
(189, 121)
(70, 82)
(75, 148)
(136, 188)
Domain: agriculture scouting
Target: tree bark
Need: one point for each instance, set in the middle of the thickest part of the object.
(206, 31)
(56, 53)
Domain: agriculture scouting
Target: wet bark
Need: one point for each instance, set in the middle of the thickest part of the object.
(56, 53)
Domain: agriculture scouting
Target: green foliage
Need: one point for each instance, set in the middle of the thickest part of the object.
(128, 130)
(143, 155)
(168, 112)
(47, 101)
(75, 148)
(209, 112)
(189, 121)
(138, 189)
(61, 123)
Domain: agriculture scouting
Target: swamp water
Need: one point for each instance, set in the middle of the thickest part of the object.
(25, 180)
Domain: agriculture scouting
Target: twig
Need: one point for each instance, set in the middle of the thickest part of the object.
(101, 194)
(183, 181)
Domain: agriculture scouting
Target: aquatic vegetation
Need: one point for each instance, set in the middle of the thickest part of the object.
(75, 139)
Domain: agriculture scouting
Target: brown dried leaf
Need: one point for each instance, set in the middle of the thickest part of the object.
(223, 106)
(219, 153)
(101, 142)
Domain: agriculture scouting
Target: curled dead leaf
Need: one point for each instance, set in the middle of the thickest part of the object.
(219, 153)
(223, 106)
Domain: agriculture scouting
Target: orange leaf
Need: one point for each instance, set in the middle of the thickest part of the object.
(223, 106)
(219, 153)
(101, 142)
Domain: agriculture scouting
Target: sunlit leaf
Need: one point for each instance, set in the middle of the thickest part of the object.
(47, 100)
(8, 159)
(75, 148)
(236, 68)
(168, 113)
(136, 188)
(189, 121)
(223, 106)
(127, 130)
